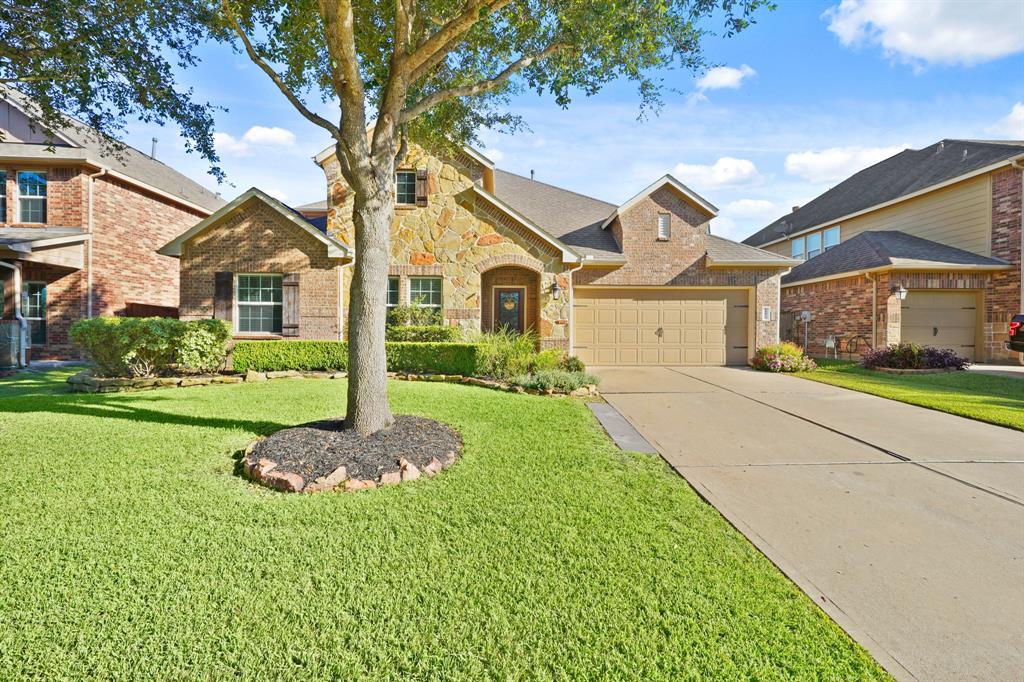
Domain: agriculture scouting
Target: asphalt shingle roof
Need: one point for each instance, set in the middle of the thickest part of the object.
(726, 250)
(875, 249)
(905, 173)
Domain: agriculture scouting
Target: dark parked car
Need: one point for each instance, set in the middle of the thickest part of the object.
(1017, 334)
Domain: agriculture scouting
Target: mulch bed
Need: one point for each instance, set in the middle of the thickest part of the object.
(316, 452)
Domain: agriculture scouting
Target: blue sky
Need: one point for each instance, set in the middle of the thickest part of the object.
(812, 93)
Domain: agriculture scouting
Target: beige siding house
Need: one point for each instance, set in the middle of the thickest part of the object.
(942, 223)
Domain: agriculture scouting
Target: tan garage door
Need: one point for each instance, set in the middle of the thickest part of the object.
(944, 319)
(661, 326)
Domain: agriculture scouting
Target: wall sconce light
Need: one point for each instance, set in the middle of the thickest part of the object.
(898, 291)
(556, 291)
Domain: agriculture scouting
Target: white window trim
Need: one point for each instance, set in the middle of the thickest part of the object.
(668, 226)
(235, 303)
(3, 194)
(408, 291)
(803, 250)
(414, 181)
(838, 242)
(19, 198)
(46, 333)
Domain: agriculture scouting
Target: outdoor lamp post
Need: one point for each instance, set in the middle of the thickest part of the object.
(898, 291)
(556, 291)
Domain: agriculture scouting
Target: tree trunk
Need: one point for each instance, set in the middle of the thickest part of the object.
(374, 206)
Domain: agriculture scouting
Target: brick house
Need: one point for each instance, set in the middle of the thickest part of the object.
(79, 229)
(924, 246)
(641, 283)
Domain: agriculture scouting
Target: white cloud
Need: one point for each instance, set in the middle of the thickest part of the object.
(1010, 126)
(760, 209)
(495, 155)
(256, 136)
(726, 171)
(936, 32)
(739, 218)
(836, 163)
(725, 77)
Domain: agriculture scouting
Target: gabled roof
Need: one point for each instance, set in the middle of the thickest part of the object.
(907, 174)
(568, 254)
(315, 206)
(128, 162)
(889, 250)
(664, 180)
(722, 252)
(335, 249)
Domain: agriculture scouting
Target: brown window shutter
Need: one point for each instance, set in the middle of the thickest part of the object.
(223, 295)
(422, 187)
(290, 305)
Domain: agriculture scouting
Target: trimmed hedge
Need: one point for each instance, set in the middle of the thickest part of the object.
(144, 346)
(403, 356)
(435, 333)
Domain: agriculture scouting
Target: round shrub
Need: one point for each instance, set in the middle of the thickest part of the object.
(202, 345)
(782, 357)
(571, 363)
(548, 359)
(913, 356)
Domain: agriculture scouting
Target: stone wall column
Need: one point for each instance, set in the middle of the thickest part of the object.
(893, 320)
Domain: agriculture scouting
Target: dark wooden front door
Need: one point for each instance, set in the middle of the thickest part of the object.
(508, 309)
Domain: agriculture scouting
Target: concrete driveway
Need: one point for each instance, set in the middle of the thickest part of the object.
(904, 524)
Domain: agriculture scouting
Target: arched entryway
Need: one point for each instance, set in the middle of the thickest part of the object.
(510, 298)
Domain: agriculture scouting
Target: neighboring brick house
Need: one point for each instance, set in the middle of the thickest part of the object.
(79, 230)
(641, 283)
(939, 227)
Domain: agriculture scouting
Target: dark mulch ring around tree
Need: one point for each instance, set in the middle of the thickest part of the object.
(324, 455)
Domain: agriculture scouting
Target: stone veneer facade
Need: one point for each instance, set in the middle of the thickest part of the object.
(842, 306)
(680, 260)
(459, 237)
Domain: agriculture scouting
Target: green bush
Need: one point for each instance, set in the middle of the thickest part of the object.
(571, 363)
(504, 354)
(557, 380)
(143, 346)
(782, 357)
(551, 358)
(424, 334)
(202, 345)
(432, 358)
(414, 316)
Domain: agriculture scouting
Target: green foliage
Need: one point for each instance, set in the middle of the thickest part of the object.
(551, 358)
(414, 316)
(271, 356)
(431, 358)
(143, 346)
(504, 354)
(557, 380)
(424, 334)
(572, 363)
(782, 357)
(202, 345)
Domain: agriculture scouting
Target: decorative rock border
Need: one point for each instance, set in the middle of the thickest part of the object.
(934, 370)
(264, 471)
(85, 382)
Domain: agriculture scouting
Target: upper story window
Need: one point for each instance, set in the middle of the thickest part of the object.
(796, 248)
(814, 244)
(425, 291)
(392, 292)
(3, 197)
(31, 197)
(259, 303)
(831, 237)
(405, 187)
(664, 225)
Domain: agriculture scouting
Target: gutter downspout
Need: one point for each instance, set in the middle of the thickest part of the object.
(22, 322)
(874, 308)
(88, 247)
(1019, 166)
(572, 317)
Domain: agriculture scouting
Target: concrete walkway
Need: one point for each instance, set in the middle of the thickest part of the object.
(904, 524)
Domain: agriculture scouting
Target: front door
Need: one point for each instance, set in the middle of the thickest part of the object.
(508, 309)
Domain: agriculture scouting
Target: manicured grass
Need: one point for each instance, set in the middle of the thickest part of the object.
(988, 398)
(130, 549)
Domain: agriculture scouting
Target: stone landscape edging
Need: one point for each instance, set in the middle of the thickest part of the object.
(85, 382)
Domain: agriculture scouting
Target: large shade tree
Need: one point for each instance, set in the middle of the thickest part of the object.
(437, 71)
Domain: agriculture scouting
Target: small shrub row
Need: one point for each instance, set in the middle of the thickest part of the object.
(144, 346)
(913, 356)
(414, 316)
(782, 357)
(431, 358)
(435, 333)
(505, 355)
(558, 380)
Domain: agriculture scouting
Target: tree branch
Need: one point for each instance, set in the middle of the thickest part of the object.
(278, 81)
(439, 43)
(432, 100)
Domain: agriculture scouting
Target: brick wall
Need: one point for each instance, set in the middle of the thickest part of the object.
(65, 197)
(1003, 298)
(258, 239)
(841, 307)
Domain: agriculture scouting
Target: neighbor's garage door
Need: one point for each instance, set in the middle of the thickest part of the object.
(944, 319)
(661, 327)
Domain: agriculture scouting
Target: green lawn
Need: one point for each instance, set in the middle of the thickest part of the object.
(988, 398)
(130, 549)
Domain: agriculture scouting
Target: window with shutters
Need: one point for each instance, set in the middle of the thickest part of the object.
(31, 197)
(259, 302)
(405, 188)
(664, 226)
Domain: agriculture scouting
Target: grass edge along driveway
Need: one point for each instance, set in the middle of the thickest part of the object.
(994, 399)
(132, 550)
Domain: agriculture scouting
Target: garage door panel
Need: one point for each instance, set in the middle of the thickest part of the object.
(943, 319)
(662, 326)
